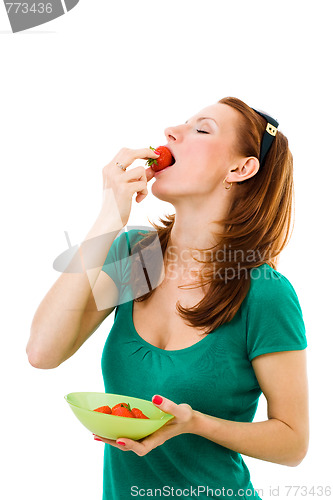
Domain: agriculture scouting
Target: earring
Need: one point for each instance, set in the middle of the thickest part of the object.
(225, 186)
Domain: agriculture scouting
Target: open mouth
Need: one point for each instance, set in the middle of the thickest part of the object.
(165, 168)
(172, 162)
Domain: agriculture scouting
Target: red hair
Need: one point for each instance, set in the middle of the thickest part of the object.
(257, 224)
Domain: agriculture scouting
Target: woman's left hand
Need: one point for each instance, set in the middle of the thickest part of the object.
(180, 424)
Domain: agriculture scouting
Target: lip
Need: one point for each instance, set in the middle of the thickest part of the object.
(163, 169)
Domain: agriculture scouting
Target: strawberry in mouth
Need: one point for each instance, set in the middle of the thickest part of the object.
(165, 159)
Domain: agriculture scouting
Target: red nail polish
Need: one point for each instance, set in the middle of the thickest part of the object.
(121, 442)
(96, 439)
(157, 400)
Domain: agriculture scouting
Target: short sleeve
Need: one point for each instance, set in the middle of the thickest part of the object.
(274, 317)
(119, 261)
(116, 259)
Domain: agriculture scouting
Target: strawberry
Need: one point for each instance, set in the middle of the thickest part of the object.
(119, 405)
(164, 160)
(104, 409)
(138, 413)
(122, 410)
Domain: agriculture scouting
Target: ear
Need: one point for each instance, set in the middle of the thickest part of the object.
(248, 168)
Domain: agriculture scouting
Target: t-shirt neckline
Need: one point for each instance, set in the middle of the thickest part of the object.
(166, 352)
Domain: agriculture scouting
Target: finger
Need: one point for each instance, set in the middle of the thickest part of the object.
(142, 194)
(149, 173)
(182, 412)
(137, 187)
(112, 442)
(105, 440)
(136, 154)
(137, 180)
(150, 153)
(143, 447)
(142, 153)
(136, 173)
(126, 157)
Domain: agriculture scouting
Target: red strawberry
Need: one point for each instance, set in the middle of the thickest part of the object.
(164, 160)
(122, 410)
(115, 407)
(138, 413)
(104, 409)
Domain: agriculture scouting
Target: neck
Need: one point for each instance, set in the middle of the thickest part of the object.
(194, 227)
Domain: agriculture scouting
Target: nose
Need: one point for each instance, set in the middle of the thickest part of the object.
(172, 133)
(169, 134)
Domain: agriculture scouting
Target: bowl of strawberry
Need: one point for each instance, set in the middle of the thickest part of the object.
(113, 415)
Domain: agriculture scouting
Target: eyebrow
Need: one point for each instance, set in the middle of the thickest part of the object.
(204, 118)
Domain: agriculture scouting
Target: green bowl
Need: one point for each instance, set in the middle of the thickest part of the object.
(113, 426)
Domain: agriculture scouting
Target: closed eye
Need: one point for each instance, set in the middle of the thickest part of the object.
(202, 131)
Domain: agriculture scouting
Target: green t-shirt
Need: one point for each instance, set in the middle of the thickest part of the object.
(215, 376)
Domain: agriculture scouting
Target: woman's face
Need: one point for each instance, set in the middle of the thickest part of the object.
(203, 150)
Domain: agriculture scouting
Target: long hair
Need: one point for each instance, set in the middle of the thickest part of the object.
(254, 232)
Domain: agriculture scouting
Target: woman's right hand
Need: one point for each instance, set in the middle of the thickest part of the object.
(119, 185)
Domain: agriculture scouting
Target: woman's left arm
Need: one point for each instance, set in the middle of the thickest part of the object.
(284, 437)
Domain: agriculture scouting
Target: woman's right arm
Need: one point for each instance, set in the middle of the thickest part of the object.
(68, 314)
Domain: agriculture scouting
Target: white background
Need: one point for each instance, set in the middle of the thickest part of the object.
(115, 74)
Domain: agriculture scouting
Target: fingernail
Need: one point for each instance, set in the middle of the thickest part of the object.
(157, 153)
(121, 442)
(157, 400)
(96, 439)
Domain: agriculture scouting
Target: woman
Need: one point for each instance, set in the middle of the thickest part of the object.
(205, 353)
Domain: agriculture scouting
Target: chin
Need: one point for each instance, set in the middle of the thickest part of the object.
(163, 193)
